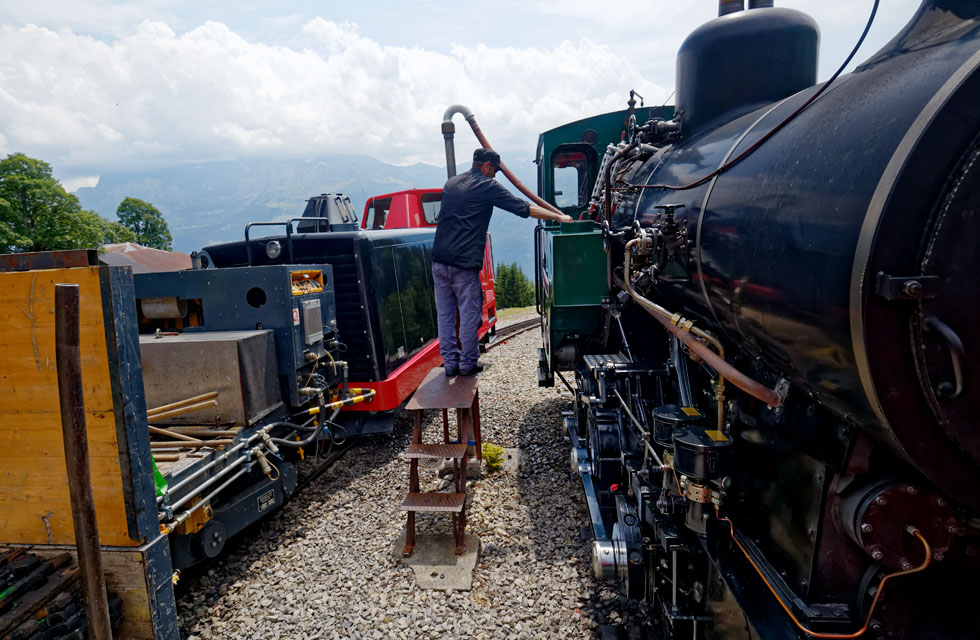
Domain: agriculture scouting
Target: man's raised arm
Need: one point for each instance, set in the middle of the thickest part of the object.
(543, 214)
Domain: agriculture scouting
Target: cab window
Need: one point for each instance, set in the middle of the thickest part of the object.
(573, 174)
(431, 203)
(377, 212)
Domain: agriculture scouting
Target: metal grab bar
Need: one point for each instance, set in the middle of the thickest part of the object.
(289, 234)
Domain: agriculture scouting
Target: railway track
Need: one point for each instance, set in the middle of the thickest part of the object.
(512, 330)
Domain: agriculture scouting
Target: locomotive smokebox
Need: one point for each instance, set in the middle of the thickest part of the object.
(743, 60)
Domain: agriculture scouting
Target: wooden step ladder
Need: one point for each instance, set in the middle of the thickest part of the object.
(461, 393)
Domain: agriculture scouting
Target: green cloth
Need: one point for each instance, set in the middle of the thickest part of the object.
(158, 480)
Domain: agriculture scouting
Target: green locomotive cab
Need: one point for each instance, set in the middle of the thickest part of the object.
(571, 275)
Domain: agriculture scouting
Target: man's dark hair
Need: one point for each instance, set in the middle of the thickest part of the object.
(483, 154)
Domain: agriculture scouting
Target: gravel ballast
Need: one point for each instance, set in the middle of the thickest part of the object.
(324, 567)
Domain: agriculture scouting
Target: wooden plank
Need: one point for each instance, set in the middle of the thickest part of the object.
(34, 501)
(126, 577)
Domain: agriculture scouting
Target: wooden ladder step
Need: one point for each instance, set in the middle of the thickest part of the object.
(457, 451)
(431, 502)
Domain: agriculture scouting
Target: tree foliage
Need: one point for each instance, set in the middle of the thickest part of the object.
(37, 214)
(146, 222)
(512, 287)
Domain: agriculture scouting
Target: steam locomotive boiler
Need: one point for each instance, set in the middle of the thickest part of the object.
(769, 306)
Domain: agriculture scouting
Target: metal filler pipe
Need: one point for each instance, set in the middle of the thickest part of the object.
(71, 396)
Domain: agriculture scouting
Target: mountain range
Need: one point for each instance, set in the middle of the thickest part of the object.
(210, 202)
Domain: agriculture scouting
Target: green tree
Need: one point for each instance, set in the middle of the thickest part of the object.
(146, 222)
(512, 287)
(36, 213)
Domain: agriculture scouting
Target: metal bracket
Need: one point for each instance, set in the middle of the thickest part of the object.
(908, 287)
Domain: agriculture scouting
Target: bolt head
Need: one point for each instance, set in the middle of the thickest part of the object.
(912, 490)
(877, 554)
(867, 528)
(912, 288)
(938, 556)
(941, 501)
(881, 501)
(906, 565)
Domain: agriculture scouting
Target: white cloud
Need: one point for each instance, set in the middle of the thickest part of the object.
(156, 97)
(74, 184)
(152, 92)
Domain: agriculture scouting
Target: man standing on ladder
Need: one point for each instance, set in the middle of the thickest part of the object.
(457, 255)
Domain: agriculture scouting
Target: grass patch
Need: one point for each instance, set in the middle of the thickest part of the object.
(506, 314)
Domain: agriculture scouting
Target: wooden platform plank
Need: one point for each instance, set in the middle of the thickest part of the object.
(434, 502)
(34, 501)
(438, 451)
(439, 392)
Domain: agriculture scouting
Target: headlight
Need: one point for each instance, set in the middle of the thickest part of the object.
(273, 249)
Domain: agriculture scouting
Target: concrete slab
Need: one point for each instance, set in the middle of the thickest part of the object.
(512, 460)
(474, 469)
(436, 564)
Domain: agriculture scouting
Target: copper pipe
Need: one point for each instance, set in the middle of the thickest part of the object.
(448, 129)
(682, 328)
(75, 440)
(910, 529)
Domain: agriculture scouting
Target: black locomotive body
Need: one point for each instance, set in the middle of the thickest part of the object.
(776, 412)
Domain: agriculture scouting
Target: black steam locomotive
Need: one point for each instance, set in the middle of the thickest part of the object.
(769, 307)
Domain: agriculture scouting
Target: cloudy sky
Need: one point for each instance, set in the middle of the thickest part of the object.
(95, 86)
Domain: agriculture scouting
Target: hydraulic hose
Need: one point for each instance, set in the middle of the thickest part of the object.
(448, 131)
(682, 328)
(308, 440)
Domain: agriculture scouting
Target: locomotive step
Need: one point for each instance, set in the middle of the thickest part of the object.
(457, 451)
(431, 502)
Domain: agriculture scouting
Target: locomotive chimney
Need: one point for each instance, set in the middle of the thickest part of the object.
(730, 6)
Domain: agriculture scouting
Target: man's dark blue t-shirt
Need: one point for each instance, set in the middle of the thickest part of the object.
(467, 204)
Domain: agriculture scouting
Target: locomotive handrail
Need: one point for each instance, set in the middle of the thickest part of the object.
(289, 234)
(248, 246)
(957, 353)
(537, 267)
